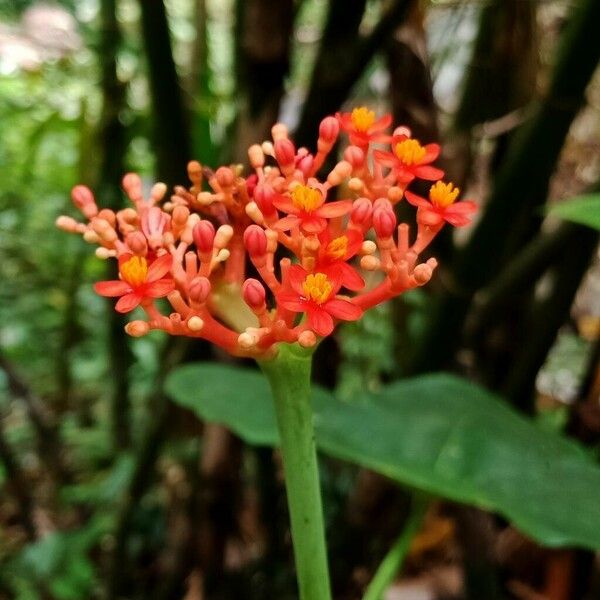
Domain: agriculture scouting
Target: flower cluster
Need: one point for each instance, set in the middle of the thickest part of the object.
(278, 255)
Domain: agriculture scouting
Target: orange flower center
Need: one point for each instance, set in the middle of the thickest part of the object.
(337, 248)
(362, 118)
(317, 287)
(410, 152)
(135, 271)
(443, 194)
(306, 198)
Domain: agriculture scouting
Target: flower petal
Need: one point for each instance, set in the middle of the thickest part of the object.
(320, 321)
(416, 200)
(313, 224)
(285, 204)
(330, 210)
(342, 309)
(111, 289)
(286, 223)
(384, 158)
(432, 151)
(291, 301)
(160, 288)
(295, 278)
(128, 302)
(350, 278)
(382, 123)
(159, 268)
(429, 173)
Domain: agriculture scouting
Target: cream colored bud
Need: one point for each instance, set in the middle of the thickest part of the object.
(422, 273)
(340, 172)
(247, 340)
(307, 339)
(256, 156)
(272, 238)
(91, 237)
(137, 328)
(158, 191)
(222, 255)
(195, 323)
(368, 247)
(67, 224)
(104, 253)
(205, 198)
(267, 148)
(223, 235)
(279, 132)
(395, 194)
(254, 213)
(370, 263)
(356, 185)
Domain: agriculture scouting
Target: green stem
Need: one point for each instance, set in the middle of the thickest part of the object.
(289, 377)
(393, 560)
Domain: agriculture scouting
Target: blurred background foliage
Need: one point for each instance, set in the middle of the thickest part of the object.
(111, 491)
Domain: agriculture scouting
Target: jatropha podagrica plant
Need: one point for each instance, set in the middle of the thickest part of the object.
(265, 263)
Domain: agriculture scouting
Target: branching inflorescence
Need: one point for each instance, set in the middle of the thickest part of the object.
(284, 223)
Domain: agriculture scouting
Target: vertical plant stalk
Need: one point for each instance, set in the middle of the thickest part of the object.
(289, 378)
(394, 559)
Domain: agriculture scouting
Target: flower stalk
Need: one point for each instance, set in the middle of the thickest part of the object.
(289, 377)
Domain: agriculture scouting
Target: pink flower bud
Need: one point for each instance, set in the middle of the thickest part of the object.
(204, 236)
(225, 177)
(137, 243)
(361, 211)
(180, 215)
(199, 289)
(263, 196)
(306, 164)
(84, 201)
(355, 156)
(384, 222)
(329, 130)
(254, 294)
(285, 153)
(255, 240)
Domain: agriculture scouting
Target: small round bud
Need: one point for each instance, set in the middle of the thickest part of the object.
(223, 235)
(256, 156)
(254, 294)
(329, 130)
(194, 170)
(279, 132)
(67, 224)
(91, 237)
(355, 156)
(158, 191)
(255, 240)
(180, 215)
(422, 273)
(195, 323)
(340, 172)
(199, 289)
(204, 236)
(395, 194)
(225, 177)
(369, 263)
(132, 184)
(402, 130)
(84, 200)
(307, 339)
(137, 328)
(368, 247)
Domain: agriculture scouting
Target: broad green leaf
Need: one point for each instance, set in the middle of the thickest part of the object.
(437, 433)
(584, 210)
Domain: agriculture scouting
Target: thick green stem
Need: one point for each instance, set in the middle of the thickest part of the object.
(394, 559)
(289, 377)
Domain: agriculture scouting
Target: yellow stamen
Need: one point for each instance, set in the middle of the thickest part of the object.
(337, 248)
(317, 287)
(135, 270)
(443, 194)
(410, 151)
(306, 198)
(362, 118)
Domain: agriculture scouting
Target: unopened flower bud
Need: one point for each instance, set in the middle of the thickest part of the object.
(306, 164)
(402, 130)
(132, 184)
(285, 153)
(199, 289)
(225, 177)
(180, 215)
(195, 323)
(307, 339)
(137, 328)
(279, 132)
(329, 130)
(256, 156)
(395, 194)
(254, 294)
(361, 211)
(223, 235)
(137, 243)
(84, 201)
(384, 222)
(255, 240)
(263, 196)
(355, 156)
(340, 172)
(67, 224)
(369, 263)
(422, 273)
(158, 191)
(204, 236)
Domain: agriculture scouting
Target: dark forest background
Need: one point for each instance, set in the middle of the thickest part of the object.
(110, 490)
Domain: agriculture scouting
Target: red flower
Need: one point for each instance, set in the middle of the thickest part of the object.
(315, 295)
(306, 208)
(441, 206)
(138, 281)
(362, 127)
(409, 159)
(334, 252)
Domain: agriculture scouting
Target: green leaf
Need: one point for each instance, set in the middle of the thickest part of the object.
(584, 210)
(437, 433)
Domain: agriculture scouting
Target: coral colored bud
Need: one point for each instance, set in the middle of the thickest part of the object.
(137, 328)
(307, 339)
(285, 153)
(382, 203)
(263, 196)
(254, 294)
(199, 289)
(225, 177)
(384, 222)
(180, 215)
(84, 200)
(137, 243)
(204, 236)
(255, 240)
(194, 170)
(158, 191)
(279, 132)
(355, 156)
(361, 211)
(306, 164)
(132, 184)
(256, 156)
(395, 194)
(329, 129)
